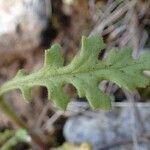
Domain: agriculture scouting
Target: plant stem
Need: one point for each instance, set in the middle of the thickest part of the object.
(12, 115)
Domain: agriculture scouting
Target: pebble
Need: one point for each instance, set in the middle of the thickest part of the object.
(21, 24)
(101, 128)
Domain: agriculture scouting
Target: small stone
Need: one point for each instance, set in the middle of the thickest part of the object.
(21, 24)
(101, 129)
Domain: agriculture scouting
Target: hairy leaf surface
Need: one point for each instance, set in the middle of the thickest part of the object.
(85, 72)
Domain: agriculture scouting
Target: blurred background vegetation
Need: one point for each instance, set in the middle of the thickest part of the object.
(28, 27)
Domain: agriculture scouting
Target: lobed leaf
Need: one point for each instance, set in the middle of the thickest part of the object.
(85, 72)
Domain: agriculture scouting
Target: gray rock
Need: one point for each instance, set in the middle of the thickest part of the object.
(21, 24)
(101, 129)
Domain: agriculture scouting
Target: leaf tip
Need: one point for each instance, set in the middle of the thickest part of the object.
(26, 92)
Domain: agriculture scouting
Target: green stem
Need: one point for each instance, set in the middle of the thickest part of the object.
(12, 115)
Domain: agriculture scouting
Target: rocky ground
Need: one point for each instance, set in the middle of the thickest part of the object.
(28, 27)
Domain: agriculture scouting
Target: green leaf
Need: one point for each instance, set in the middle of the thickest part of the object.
(10, 138)
(85, 72)
(53, 57)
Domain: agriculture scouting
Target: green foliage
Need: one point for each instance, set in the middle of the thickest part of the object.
(4, 136)
(9, 138)
(85, 72)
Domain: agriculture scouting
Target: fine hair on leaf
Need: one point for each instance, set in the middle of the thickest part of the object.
(84, 72)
